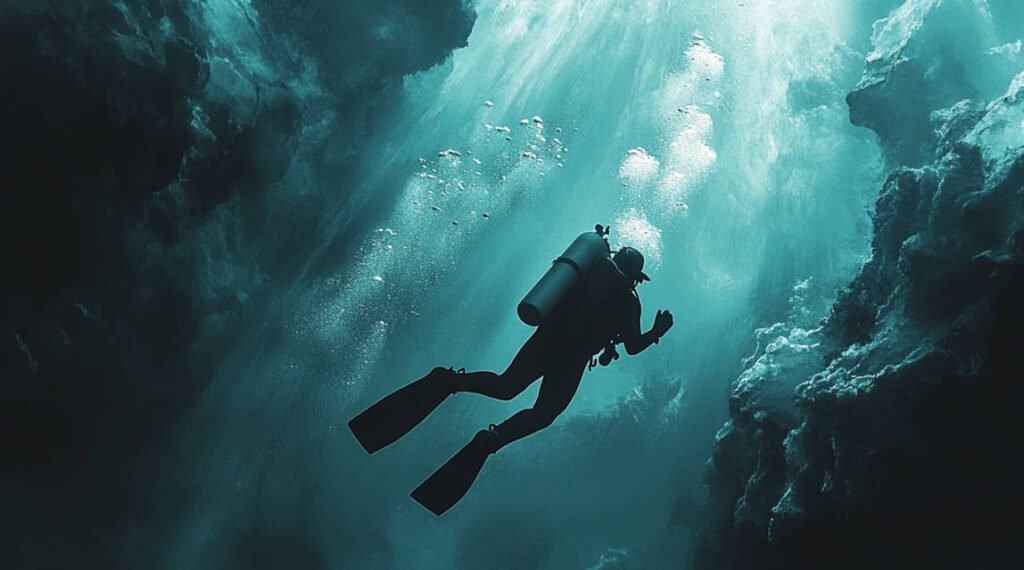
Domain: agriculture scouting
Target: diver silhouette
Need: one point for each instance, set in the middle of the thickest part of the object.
(587, 302)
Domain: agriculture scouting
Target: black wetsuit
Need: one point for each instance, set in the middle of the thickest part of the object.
(603, 307)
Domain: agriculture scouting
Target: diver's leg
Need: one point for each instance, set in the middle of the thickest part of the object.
(556, 391)
(453, 479)
(523, 371)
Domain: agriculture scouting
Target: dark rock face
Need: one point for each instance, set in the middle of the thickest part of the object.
(148, 141)
(928, 56)
(408, 36)
(902, 446)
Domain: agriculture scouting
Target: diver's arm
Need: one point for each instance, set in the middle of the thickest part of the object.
(635, 342)
(640, 342)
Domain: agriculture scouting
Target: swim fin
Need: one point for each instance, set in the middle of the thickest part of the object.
(452, 480)
(394, 416)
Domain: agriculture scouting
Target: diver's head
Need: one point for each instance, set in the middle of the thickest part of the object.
(631, 263)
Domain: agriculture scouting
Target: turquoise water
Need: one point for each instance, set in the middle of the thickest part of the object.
(712, 136)
(266, 215)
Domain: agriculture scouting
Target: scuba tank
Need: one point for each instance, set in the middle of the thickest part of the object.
(565, 272)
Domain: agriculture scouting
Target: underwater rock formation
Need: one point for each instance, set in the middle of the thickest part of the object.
(147, 143)
(901, 447)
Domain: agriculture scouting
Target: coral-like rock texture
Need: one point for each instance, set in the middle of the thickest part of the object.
(901, 444)
(146, 144)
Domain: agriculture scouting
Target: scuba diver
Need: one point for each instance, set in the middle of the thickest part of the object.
(585, 303)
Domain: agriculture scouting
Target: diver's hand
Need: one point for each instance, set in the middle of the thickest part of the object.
(662, 322)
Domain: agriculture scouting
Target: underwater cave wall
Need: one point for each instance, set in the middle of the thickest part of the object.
(149, 144)
(888, 434)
